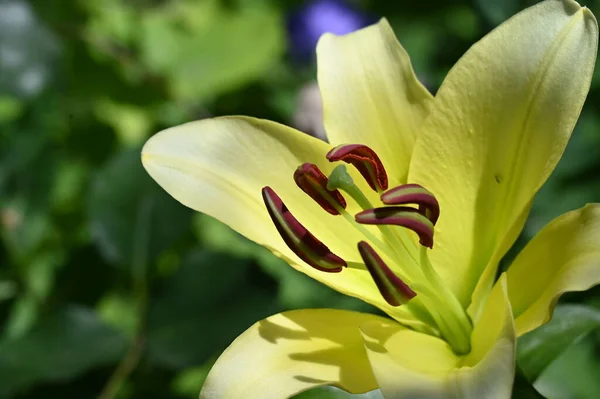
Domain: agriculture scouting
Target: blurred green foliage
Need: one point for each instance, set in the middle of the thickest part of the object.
(107, 285)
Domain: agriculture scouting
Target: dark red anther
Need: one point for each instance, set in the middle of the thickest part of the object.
(314, 183)
(414, 194)
(409, 218)
(298, 238)
(365, 160)
(392, 288)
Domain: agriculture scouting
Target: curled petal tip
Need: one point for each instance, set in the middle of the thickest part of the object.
(314, 183)
(365, 160)
(298, 238)
(391, 287)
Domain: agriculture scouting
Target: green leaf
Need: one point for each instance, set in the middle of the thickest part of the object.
(210, 300)
(204, 50)
(497, 11)
(112, 19)
(38, 282)
(132, 219)
(10, 109)
(131, 123)
(228, 55)
(60, 347)
(23, 314)
(537, 349)
(574, 374)
(188, 382)
(27, 170)
(160, 42)
(522, 388)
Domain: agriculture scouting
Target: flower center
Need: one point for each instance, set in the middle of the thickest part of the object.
(404, 274)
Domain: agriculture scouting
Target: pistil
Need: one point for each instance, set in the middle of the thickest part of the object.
(448, 298)
(340, 179)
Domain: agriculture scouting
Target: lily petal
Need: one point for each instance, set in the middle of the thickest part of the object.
(291, 352)
(498, 126)
(408, 364)
(219, 167)
(564, 256)
(486, 281)
(371, 95)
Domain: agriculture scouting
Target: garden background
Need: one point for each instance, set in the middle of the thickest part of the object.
(110, 288)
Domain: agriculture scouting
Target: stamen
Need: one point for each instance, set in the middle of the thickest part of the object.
(392, 288)
(314, 183)
(298, 238)
(400, 216)
(414, 194)
(365, 160)
(341, 179)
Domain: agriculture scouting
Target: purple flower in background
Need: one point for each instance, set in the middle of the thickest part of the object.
(307, 24)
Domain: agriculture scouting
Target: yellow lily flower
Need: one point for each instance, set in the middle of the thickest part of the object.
(452, 177)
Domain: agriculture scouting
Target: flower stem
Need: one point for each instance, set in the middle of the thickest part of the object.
(140, 288)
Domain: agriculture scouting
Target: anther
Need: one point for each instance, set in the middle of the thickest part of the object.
(365, 160)
(392, 288)
(409, 218)
(298, 238)
(414, 194)
(314, 183)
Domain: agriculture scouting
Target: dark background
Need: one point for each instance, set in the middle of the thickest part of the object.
(110, 287)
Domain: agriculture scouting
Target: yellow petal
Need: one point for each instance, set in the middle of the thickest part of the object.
(486, 281)
(564, 256)
(371, 95)
(408, 364)
(219, 166)
(291, 352)
(498, 126)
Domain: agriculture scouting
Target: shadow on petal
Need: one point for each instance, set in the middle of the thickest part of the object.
(292, 352)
